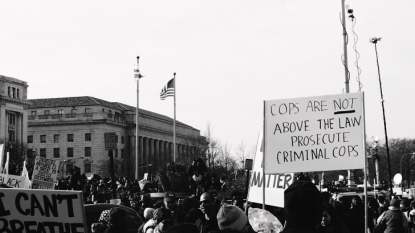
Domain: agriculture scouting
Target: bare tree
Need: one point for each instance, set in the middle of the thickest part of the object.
(226, 161)
(197, 147)
(213, 148)
(242, 153)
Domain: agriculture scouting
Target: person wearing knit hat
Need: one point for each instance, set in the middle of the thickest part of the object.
(303, 207)
(232, 219)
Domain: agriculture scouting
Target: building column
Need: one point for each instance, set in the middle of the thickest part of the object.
(161, 153)
(145, 155)
(151, 158)
(156, 158)
(166, 152)
(179, 152)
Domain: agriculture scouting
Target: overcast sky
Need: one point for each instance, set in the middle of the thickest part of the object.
(229, 56)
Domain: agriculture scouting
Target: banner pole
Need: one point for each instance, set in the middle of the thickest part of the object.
(174, 123)
(263, 162)
(365, 160)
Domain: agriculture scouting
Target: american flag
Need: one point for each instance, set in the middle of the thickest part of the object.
(167, 90)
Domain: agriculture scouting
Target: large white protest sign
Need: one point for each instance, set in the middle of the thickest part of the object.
(315, 134)
(275, 184)
(45, 172)
(49, 211)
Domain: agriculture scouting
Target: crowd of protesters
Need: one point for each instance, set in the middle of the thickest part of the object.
(205, 211)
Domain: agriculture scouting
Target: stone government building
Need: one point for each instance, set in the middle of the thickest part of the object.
(72, 130)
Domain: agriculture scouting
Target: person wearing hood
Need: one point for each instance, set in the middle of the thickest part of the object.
(303, 207)
(394, 220)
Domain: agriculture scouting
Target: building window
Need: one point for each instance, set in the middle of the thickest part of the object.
(47, 112)
(42, 138)
(18, 93)
(60, 111)
(69, 151)
(122, 139)
(122, 153)
(12, 127)
(69, 167)
(33, 113)
(88, 168)
(30, 139)
(87, 151)
(74, 111)
(88, 137)
(29, 153)
(70, 137)
(56, 152)
(87, 110)
(43, 152)
(116, 153)
(56, 138)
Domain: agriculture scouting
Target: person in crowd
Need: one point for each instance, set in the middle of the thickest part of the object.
(232, 219)
(197, 182)
(145, 202)
(191, 169)
(357, 215)
(372, 214)
(411, 222)
(223, 184)
(237, 200)
(201, 166)
(330, 223)
(208, 221)
(394, 220)
(170, 204)
(148, 213)
(116, 220)
(382, 204)
(163, 219)
(185, 206)
(303, 207)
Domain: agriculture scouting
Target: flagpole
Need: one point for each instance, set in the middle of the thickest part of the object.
(137, 117)
(174, 122)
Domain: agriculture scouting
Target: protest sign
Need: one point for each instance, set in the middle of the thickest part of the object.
(13, 181)
(320, 133)
(275, 184)
(49, 211)
(45, 172)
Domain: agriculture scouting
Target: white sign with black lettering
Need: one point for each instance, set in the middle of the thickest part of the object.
(320, 133)
(275, 184)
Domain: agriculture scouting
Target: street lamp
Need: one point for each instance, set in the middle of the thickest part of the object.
(375, 40)
(137, 75)
(412, 153)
